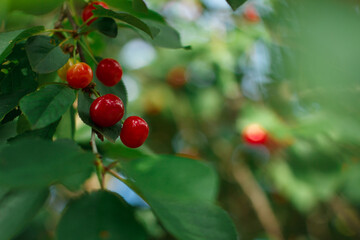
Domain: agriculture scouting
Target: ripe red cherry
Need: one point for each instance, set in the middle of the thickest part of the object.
(134, 132)
(87, 11)
(79, 75)
(251, 14)
(107, 110)
(109, 72)
(255, 134)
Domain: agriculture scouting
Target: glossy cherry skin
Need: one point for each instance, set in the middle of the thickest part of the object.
(255, 134)
(109, 72)
(107, 110)
(87, 11)
(79, 75)
(134, 132)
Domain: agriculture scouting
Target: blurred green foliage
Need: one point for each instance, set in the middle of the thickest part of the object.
(295, 72)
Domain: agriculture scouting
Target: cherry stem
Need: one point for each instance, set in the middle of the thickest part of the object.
(88, 52)
(64, 41)
(60, 30)
(99, 164)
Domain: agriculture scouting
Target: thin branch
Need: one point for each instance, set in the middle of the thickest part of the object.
(88, 52)
(346, 213)
(246, 180)
(71, 19)
(81, 52)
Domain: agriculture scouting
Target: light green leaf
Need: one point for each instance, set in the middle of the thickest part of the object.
(180, 191)
(174, 177)
(47, 105)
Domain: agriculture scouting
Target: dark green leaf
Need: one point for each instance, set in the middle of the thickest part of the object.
(123, 16)
(84, 103)
(99, 215)
(44, 55)
(234, 4)
(47, 105)
(140, 6)
(45, 132)
(194, 220)
(17, 80)
(9, 102)
(11, 116)
(17, 208)
(7, 130)
(16, 73)
(38, 162)
(181, 191)
(106, 26)
(174, 177)
(8, 39)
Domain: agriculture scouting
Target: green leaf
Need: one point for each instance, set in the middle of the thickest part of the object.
(47, 105)
(22, 124)
(84, 103)
(16, 73)
(99, 215)
(9, 102)
(44, 55)
(45, 133)
(194, 220)
(18, 207)
(38, 162)
(167, 36)
(35, 7)
(106, 26)
(119, 151)
(11, 116)
(234, 4)
(181, 191)
(140, 6)
(128, 6)
(174, 177)
(66, 127)
(9, 39)
(123, 16)
(17, 80)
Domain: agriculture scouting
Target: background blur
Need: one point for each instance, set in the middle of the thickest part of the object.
(292, 67)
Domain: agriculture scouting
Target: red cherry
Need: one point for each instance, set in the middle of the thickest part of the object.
(79, 75)
(107, 110)
(255, 134)
(134, 132)
(109, 72)
(251, 14)
(87, 11)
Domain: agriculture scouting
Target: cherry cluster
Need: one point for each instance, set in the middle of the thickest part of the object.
(106, 110)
